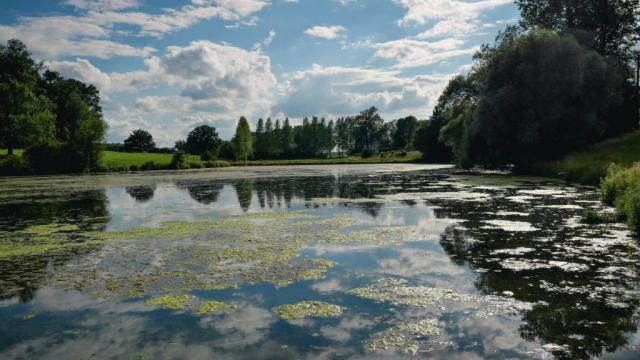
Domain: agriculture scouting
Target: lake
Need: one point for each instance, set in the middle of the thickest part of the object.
(375, 261)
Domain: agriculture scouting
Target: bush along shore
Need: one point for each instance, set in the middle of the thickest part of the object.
(613, 166)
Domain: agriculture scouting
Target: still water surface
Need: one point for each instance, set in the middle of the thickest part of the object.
(381, 261)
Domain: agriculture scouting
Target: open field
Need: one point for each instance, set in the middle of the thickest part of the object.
(112, 160)
(590, 165)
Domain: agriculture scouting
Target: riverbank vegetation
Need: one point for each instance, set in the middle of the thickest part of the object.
(548, 89)
(590, 165)
(57, 124)
(57, 120)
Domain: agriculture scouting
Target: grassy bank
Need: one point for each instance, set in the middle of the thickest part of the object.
(590, 166)
(411, 156)
(112, 161)
(122, 161)
(119, 161)
(619, 184)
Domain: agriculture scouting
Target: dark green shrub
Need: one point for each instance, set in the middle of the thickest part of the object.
(134, 167)
(629, 205)
(593, 217)
(149, 165)
(216, 164)
(621, 187)
(617, 180)
(208, 156)
(195, 165)
(54, 158)
(367, 153)
(179, 160)
(14, 165)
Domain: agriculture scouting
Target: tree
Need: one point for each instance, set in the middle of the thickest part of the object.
(180, 145)
(242, 141)
(286, 139)
(203, 138)
(405, 133)
(59, 89)
(87, 135)
(25, 119)
(367, 132)
(25, 116)
(344, 135)
(139, 141)
(532, 98)
(260, 140)
(613, 24)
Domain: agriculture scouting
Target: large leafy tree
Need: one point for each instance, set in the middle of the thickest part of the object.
(25, 116)
(60, 90)
(243, 141)
(203, 138)
(368, 126)
(405, 132)
(87, 134)
(614, 25)
(531, 98)
(139, 141)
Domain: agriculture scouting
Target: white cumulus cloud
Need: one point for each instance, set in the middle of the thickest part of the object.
(326, 32)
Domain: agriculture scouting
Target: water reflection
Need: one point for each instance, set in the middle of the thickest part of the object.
(491, 238)
(244, 191)
(141, 194)
(204, 192)
(21, 276)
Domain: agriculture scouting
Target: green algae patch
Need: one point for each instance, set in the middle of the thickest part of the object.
(43, 248)
(172, 302)
(222, 253)
(191, 303)
(212, 307)
(407, 337)
(43, 230)
(212, 254)
(306, 309)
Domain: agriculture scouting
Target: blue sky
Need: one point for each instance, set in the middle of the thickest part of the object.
(170, 65)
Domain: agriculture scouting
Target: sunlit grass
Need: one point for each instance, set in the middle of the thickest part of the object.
(590, 166)
(123, 160)
(17, 152)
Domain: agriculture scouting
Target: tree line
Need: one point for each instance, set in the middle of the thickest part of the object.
(58, 121)
(560, 80)
(365, 134)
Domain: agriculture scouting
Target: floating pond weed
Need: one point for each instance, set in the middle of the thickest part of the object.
(172, 302)
(212, 307)
(407, 337)
(306, 309)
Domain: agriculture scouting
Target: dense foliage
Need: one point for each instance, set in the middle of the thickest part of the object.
(532, 97)
(58, 120)
(365, 134)
(139, 141)
(203, 139)
(242, 141)
(621, 188)
(610, 26)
